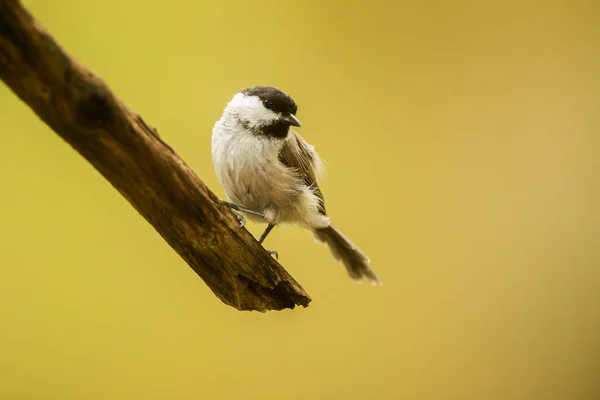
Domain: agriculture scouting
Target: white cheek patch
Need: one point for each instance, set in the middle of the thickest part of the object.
(252, 111)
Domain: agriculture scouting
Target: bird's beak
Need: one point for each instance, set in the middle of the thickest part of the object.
(291, 119)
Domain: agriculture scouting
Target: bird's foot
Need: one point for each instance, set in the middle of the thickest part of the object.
(273, 253)
(239, 217)
(234, 208)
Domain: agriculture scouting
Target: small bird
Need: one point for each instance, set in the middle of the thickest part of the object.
(270, 173)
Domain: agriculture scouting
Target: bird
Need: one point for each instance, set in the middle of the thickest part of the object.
(271, 174)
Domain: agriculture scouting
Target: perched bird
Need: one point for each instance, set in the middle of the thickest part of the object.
(270, 173)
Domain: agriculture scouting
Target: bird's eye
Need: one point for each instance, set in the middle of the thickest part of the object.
(268, 103)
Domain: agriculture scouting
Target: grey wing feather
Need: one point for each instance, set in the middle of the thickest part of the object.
(302, 157)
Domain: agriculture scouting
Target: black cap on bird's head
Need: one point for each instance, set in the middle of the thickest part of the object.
(277, 101)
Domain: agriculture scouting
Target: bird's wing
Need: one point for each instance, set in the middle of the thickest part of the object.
(302, 158)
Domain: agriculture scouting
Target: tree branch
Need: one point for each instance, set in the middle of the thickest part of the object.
(81, 108)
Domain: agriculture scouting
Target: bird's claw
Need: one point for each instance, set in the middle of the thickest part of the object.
(235, 207)
(239, 217)
(234, 210)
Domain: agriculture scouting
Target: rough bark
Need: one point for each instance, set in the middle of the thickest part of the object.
(82, 109)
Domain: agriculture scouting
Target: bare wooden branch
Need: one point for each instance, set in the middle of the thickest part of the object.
(81, 108)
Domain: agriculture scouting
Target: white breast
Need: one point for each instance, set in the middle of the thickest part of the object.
(252, 176)
(248, 168)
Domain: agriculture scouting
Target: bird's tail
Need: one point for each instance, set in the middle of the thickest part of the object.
(356, 262)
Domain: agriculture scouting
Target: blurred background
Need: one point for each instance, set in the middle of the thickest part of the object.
(462, 142)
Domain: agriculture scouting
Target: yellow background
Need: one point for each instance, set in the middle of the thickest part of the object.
(463, 146)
